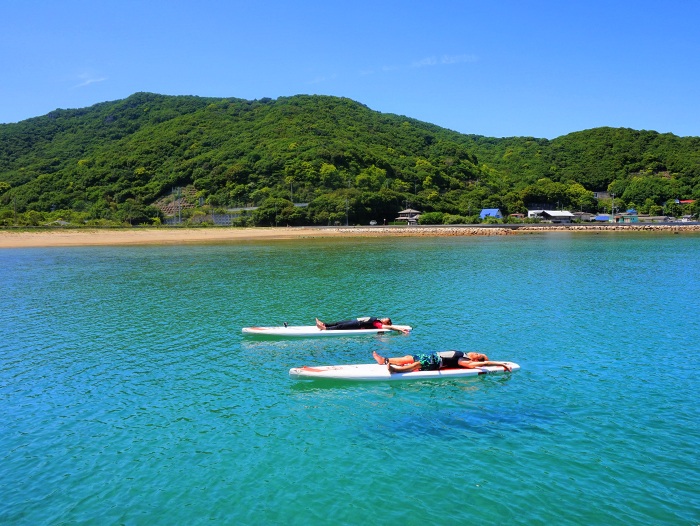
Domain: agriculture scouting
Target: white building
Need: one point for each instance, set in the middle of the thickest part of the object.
(555, 216)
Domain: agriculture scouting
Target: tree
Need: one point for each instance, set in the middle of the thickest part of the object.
(331, 177)
(642, 188)
(371, 178)
(579, 197)
(270, 212)
(546, 191)
(512, 203)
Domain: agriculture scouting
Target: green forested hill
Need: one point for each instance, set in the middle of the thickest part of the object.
(116, 158)
(594, 158)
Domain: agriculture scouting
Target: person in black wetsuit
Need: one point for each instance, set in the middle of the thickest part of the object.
(435, 361)
(367, 322)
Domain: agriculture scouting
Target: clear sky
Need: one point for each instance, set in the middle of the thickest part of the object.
(495, 68)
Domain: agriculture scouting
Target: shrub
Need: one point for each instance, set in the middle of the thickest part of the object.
(430, 218)
(242, 221)
(450, 219)
(33, 218)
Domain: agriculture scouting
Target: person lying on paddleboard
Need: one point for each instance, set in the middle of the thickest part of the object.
(435, 361)
(368, 322)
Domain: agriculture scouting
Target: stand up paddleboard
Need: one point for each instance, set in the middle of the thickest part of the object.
(374, 372)
(311, 331)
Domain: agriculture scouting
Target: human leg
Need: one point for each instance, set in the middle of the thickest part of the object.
(415, 366)
(403, 360)
(345, 325)
(381, 360)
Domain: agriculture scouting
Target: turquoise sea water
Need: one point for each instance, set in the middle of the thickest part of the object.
(129, 396)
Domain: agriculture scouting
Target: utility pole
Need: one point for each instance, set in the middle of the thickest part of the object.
(179, 206)
(15, 196)
(291, 191)
(347, 208)
(275, 215)
(612, 209)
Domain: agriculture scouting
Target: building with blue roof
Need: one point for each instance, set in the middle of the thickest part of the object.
(493, 212)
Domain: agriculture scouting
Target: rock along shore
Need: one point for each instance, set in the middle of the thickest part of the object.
(506, 230)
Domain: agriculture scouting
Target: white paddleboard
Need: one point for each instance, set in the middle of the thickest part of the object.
(374, 372)
(311, 331)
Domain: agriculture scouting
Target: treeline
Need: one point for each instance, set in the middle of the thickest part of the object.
(646, 170)
(112, 161)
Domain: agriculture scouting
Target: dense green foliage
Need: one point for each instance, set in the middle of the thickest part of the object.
(114, 159)
(645, 169)
(593, 158)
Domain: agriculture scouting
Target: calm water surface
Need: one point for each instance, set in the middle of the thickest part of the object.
(129, 396)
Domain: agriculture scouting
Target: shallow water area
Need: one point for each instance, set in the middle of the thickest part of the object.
(130, 396)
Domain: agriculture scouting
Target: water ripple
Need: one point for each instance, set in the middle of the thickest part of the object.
(128, 394)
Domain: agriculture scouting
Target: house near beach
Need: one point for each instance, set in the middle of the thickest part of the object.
(583, 216)
(491, 212)
(553, 216)
(409, 215)
(645, 218)
(630, 216)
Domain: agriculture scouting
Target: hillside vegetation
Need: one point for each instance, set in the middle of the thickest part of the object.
(115, 159)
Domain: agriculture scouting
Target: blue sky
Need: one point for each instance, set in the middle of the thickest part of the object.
(499, 68)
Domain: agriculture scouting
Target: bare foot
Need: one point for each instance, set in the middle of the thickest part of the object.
(320, 325)
(380, 359)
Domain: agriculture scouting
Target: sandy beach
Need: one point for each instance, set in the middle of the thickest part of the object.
(151, 236)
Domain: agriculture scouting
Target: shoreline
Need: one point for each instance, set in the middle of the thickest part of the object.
(148, 236)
